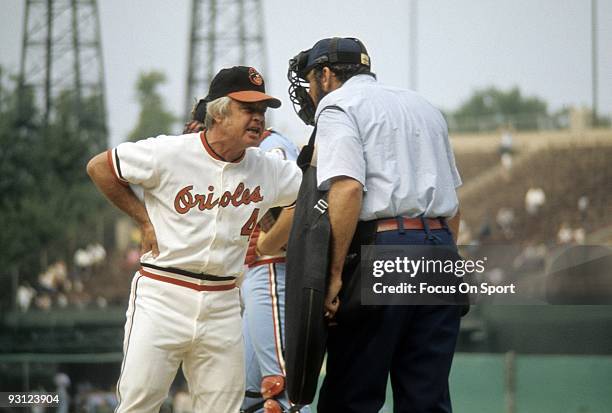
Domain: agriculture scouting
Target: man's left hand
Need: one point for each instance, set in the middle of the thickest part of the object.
(332, 301)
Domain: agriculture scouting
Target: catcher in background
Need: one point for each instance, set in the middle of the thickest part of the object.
(263, 292)
(263, 295)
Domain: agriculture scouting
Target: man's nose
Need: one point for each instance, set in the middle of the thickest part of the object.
(259, 117)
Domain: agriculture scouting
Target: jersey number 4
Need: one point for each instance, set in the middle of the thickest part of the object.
(250, 224)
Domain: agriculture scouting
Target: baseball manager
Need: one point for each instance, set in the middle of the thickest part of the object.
(203, 195)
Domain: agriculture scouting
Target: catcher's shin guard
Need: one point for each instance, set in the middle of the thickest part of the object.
(272, 386)
(273, 406)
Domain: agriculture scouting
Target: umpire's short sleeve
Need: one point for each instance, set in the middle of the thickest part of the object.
(135, 162)
(340, 150)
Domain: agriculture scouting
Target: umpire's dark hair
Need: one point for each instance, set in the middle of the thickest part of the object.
(344, 71)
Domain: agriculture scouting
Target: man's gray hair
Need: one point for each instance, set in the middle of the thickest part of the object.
(219, 107)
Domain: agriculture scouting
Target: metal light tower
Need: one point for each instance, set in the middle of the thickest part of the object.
(62, 56)
(594, 79)
(224, 33)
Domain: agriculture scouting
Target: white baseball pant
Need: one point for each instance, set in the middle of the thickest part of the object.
(168, 324)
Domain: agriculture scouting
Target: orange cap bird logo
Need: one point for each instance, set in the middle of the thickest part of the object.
(255, 77)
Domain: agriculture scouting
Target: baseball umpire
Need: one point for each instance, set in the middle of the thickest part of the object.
(385, 157)
(203, 195)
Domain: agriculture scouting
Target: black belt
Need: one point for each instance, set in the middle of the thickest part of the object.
(199, 276)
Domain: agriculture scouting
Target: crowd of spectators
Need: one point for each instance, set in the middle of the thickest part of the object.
(89, 282)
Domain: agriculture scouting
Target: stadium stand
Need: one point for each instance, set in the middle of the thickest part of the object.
(565, 169)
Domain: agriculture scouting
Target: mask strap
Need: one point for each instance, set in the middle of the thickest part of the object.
(333, 50)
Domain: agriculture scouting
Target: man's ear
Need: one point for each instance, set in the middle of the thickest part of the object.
(219, 119)
(329, 81)
(326, 75)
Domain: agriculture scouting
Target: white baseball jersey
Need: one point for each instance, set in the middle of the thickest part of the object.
(203, 208)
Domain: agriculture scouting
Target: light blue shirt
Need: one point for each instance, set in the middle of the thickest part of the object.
(394, 143)
(279, 144)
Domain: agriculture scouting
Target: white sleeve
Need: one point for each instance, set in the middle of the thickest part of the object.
(339, 149)
(457, 181)
(288, 183)
(134, 163)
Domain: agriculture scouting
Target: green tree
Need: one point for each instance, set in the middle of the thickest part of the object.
(48, 205)
(154, 118)
(490, 108)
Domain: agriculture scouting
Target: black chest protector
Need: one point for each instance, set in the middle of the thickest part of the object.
(308, 256)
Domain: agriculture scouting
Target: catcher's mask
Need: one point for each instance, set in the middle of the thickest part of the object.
(324, 53)
(298, 88)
